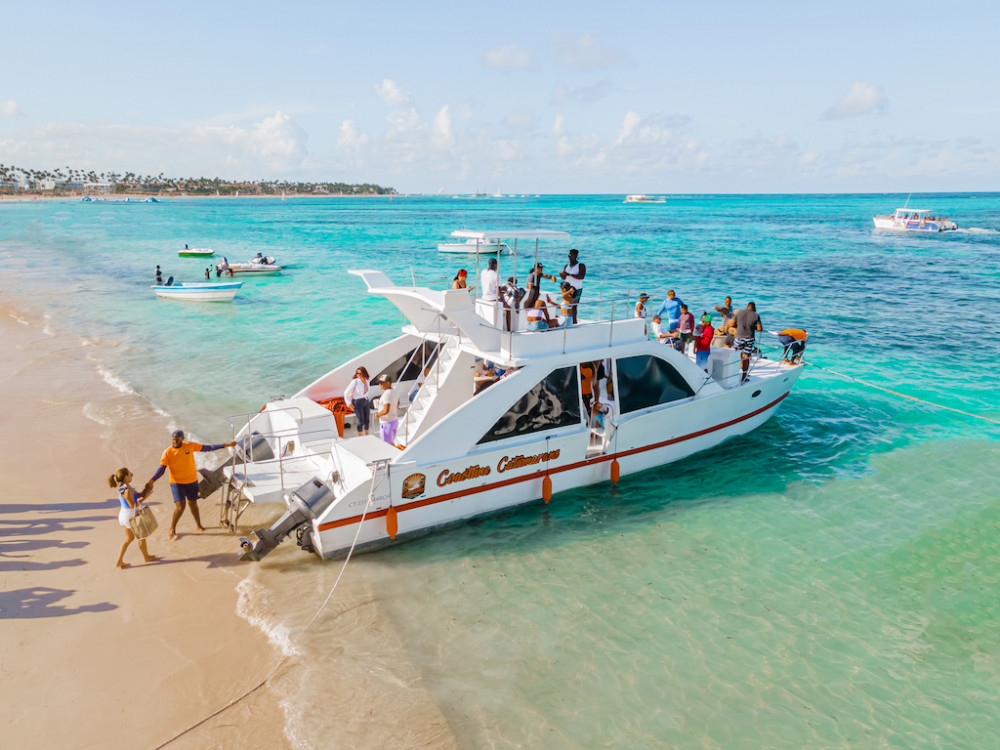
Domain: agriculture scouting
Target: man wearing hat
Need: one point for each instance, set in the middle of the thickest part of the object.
(388, 417)
(534, 285)
(703, 334)
(178, 459)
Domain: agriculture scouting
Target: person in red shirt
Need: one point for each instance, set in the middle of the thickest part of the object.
(703, 334)
(178, 459)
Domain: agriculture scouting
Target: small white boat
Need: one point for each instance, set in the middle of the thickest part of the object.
(195, 252)
(475, 243)
(914, 220)
(639, 198)
(462, 450)
(259, 264)
(203, 291)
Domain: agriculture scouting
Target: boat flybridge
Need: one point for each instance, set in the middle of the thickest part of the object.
(501, 419)
(914, 220)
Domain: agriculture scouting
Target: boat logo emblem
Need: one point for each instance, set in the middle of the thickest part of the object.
(413, 486)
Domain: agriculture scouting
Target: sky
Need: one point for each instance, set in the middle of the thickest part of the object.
(513, 97)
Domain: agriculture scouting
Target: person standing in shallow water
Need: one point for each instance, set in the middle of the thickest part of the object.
(178, 459)
(130, 500)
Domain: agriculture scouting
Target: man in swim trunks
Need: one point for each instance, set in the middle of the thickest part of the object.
(747, 323)
(178, 459)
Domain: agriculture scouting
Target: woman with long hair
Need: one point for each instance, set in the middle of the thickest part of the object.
(356, 394)
(130, 500)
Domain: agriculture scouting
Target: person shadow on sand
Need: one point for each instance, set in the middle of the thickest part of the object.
(42, 601)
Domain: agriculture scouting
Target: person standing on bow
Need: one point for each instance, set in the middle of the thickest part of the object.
(672, 307)
(747, 324)
(573, 273)
(178, 459)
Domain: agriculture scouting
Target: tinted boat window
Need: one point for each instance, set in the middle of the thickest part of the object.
(554, 402)
(645, 381)
(410, 364)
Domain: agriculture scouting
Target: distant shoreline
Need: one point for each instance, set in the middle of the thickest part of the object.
(139, 197)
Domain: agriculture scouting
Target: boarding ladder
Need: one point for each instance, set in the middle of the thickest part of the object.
(448, 354)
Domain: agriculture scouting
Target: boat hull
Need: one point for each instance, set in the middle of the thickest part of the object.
(472, 249)
(199, 292)
(492, 481)
(195, 252)
(255, 268)
(891, 224)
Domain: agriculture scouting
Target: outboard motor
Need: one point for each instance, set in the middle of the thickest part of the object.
(304, 505)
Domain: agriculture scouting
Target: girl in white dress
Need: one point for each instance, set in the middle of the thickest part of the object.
(129, 500)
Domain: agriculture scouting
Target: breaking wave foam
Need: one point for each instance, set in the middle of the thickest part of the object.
(249, 592)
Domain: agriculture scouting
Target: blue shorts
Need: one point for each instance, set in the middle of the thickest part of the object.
(744, 346)
(184, 492)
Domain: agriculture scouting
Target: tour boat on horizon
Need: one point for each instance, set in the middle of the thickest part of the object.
(914, 220)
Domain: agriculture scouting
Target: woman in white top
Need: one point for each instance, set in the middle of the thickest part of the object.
(129, 500)
(356, 394)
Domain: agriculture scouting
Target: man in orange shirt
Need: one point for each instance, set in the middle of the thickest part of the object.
(178, 459)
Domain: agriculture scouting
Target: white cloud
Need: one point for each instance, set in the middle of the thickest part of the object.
(9, 108)
(862, 99)
(392, 94)
(441, 135)
(583, 52)
(520, 121)
(584, 94)
(349, 136)
(511, 57)
(273, 147)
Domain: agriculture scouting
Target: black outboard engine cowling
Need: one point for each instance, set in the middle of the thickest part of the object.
(305, 504)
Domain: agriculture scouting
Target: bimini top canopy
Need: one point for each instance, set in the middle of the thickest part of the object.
(510, 234)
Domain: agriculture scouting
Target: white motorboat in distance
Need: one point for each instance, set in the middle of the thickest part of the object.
(644, 199)
(914, 220)
(475, 242)
(260, 264)
(202, 291)
(462, 450)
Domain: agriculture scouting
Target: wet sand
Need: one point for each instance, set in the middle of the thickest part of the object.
(95, 656)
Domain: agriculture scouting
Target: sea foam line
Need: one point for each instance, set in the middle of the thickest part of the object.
(277, 634)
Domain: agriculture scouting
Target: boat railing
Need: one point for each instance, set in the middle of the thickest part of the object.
(258, 447)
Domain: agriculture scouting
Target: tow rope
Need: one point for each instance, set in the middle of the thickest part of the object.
(903, 395)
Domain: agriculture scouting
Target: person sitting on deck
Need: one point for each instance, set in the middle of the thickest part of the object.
(656, 328)
(538, 317)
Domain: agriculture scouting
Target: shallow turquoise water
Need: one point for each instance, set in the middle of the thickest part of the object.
(827, 581)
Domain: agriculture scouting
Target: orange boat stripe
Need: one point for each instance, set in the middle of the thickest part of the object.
(555, 470)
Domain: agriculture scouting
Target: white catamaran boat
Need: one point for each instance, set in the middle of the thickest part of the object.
(463, 449)
(475, 242)
(644, 199)
(914, 220)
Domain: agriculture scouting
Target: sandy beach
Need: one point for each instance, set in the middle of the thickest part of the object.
(95, 656)
(137, 657)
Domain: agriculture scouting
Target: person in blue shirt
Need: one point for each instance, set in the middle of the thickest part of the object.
(672, 307)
